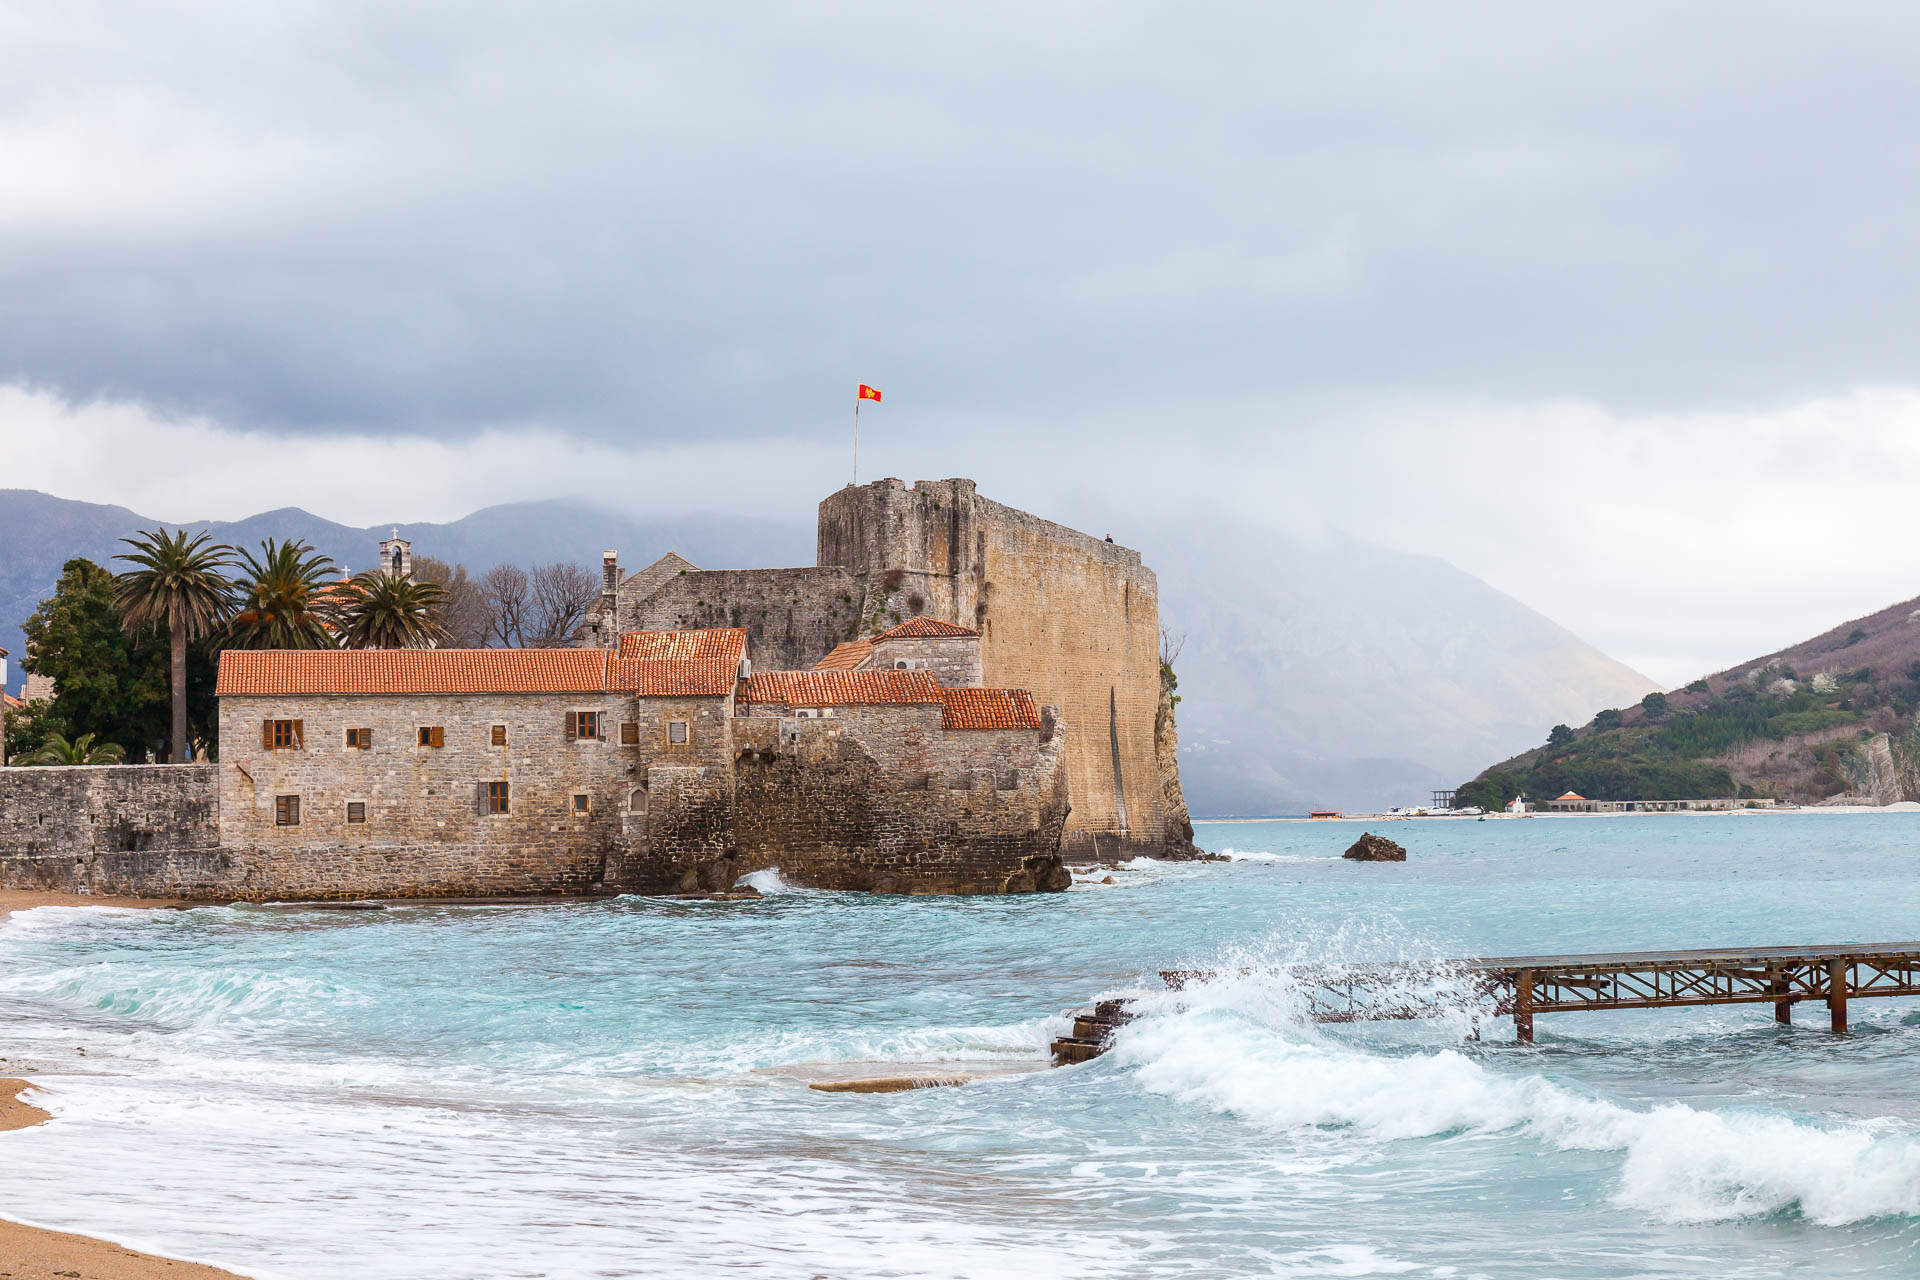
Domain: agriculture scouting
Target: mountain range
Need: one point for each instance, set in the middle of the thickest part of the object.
(1316, 672)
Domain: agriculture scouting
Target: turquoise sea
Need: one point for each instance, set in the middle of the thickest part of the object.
(617, 1088)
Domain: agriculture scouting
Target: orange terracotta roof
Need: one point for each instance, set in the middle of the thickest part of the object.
(924, 629)
(1571, 795)
(302, 671)
(989, 709)
(840, 688)
(845, 656)
(7, 699)
(679, 664)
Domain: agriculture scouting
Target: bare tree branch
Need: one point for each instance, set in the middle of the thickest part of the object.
(562, 594)
(503, 588)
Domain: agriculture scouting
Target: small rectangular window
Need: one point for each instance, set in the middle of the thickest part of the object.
(356, 811)
(283, 735)
(360, 739)
(286, 811)
(586, 724)
(499, 735)
(629, 733)
(579, 804)
(433, 736)
(676, 731)
(497, 798)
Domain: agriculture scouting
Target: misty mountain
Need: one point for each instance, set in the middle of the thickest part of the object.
(1328, 672)
(1316, 672)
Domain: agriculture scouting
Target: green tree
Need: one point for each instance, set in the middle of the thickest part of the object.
(57, 750)
(177, 587)
(1560, 737)
(1609, 719)
(106, 682)
(282, 603)
(385, 612)
(1654, 704)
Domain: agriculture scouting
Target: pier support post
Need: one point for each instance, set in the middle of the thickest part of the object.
(1523, 1007)
(1783, 1007)
(1837, 994)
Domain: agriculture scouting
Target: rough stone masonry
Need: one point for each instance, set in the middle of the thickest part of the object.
(1072, 617)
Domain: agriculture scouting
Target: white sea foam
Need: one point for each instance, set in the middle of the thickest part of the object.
(1240, 1048)
(768, 881)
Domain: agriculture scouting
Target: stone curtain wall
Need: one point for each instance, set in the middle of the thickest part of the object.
(1073, 618)
(952, 661)
(791, 616)
(117, 829)
(881, 798)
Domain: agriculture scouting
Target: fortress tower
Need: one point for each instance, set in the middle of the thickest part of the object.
(1071, 617)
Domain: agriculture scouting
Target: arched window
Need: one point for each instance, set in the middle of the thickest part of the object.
(637, 802)
(396, 562)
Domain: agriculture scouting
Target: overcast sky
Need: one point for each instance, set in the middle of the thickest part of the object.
(1613, 306)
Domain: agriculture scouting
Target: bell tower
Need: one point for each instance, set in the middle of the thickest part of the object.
(396, 557)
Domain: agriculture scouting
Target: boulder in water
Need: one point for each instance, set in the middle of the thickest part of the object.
(1372, 848)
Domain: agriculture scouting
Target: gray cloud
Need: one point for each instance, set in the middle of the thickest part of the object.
(706, 221)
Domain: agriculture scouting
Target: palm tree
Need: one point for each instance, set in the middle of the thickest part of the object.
(283, 604)
(179, 587)
(385, 612)
(57, 750)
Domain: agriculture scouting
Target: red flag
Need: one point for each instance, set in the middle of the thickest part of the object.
(868, 393)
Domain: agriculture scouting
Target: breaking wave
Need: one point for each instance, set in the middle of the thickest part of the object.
(1242, 1047)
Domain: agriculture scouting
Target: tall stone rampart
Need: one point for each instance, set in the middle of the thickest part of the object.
(791, 616)
(1071, 617)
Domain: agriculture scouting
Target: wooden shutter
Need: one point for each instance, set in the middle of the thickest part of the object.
(480, 799)
(573, 725)
(629, 733)
(366, 738)
(299, 734)
(266, 735)
(437, 736)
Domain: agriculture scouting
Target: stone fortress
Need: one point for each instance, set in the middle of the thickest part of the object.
(1074, 618)
(862, 727)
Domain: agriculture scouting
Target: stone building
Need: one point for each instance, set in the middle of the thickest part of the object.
(1071, 617)
(664, 764)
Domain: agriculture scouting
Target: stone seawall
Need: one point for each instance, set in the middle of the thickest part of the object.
(898, 806)
(143, 830)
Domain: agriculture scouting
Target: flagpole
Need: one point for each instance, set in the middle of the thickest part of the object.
(856, 441)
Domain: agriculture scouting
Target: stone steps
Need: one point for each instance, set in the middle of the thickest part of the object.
(1092, 1030)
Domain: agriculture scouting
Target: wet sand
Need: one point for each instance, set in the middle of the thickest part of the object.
(34, 1253)
(12, 900)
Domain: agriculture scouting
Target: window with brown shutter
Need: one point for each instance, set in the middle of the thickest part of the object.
(573, 725)
(356, 811)
(286, 811)
(499, 735)
(360, 739)
(497, 797)
(589, 722)
(433, 736)
(579, 804)
(677, 732)
(282, 735)
(629, 733)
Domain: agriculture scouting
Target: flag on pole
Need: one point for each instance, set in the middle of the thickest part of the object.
(868, 393)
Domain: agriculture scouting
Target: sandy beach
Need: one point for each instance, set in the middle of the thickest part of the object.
(34, 1253)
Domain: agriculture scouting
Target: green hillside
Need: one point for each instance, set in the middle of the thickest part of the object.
(1833, 716)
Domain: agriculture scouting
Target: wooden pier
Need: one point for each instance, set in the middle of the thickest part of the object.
(1524, 987)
